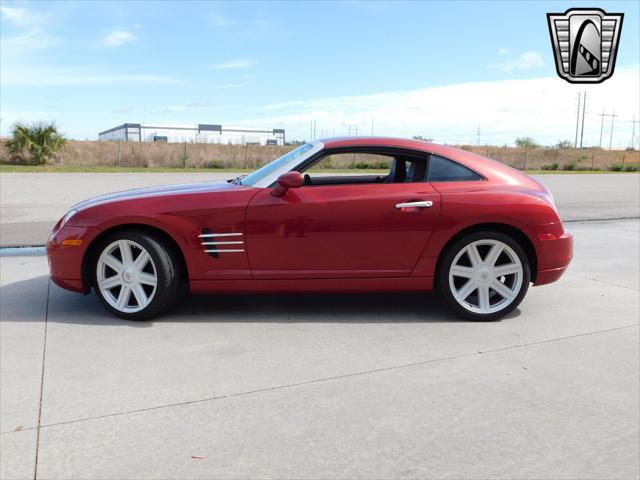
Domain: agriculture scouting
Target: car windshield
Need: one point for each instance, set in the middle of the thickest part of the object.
(279, 165)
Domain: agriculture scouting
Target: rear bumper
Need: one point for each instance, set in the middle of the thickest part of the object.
(549, 276)
(554, 257)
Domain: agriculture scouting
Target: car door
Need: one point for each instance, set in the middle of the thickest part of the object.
(340, 231)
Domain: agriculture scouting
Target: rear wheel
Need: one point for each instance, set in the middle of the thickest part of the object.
(484, 275)
(135, 275)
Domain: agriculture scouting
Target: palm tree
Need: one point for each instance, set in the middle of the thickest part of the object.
(41, 140)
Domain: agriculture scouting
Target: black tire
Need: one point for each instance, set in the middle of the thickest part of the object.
(442, 275)
(167, 270)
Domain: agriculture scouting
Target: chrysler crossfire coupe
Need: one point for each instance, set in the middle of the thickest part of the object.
(474, 229)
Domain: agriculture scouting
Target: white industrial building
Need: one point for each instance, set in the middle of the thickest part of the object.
(200, 133)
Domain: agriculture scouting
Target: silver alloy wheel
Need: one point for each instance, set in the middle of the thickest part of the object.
(126, 276)
(485, 276)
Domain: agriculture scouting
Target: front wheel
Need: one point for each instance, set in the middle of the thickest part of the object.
(484, 276)
(135, 275)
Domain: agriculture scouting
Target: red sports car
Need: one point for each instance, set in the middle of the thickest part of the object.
(475, 229)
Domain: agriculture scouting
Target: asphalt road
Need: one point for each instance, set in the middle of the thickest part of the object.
(367, 386)
(30, 203)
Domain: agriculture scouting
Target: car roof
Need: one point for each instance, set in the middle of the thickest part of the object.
(444, 150)
(489, 168)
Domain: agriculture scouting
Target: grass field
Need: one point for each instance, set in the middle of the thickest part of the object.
(79, 169)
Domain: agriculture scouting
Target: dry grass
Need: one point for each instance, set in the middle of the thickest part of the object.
(195, 155)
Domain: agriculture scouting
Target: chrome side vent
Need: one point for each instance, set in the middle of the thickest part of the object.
(217, 243)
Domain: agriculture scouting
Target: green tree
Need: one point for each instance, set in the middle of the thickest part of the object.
(564, 144)
(526, 142)
(35, 143)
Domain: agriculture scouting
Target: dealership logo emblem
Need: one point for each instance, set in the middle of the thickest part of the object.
(585, 43)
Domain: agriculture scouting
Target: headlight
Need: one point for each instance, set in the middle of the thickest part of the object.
(67, 217)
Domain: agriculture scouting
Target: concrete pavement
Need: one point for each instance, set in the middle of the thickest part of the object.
(31, 203)
(313, 386)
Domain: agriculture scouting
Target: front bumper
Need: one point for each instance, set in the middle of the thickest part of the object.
(66, 258)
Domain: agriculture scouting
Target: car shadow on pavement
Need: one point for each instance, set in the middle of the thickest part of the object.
(72, 308)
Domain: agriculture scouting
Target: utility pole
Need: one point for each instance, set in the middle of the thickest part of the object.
(575, 143)
(633, 134)
(372, 126)
(478, 136)
(584, 104)
(613, 117)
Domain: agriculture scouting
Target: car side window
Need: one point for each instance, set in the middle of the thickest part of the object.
(444, 170)
(374, 168)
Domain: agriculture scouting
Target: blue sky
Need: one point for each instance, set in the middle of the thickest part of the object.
(440, 69)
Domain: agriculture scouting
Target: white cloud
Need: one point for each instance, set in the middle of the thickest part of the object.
(125, 109)
(48, 76)
(233, 64)
(221, 21)
(503, 51)
(196, 105)
(526, 61)
(117, 38)
(543, 108)
(29, 32)
(18, 16)
(199, 104)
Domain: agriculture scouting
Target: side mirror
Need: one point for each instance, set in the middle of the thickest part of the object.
(286, 181)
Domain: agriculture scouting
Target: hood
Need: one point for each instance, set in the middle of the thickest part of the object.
(154, 192)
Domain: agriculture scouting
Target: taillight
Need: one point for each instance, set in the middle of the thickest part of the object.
(549, 231)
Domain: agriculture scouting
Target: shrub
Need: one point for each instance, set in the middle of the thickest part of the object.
(569, 167)
(373, 165)
(616, 167)
(380, 165)
(632, 168)
(35, 143)
(564, 144)
(550, 166)
(213, 164)
(526, 142)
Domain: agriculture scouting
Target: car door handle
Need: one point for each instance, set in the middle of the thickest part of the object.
(419, 204)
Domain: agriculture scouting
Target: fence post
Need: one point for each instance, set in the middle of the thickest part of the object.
(526, 154)
(593, 159)
(623, 160)
(184, 156)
